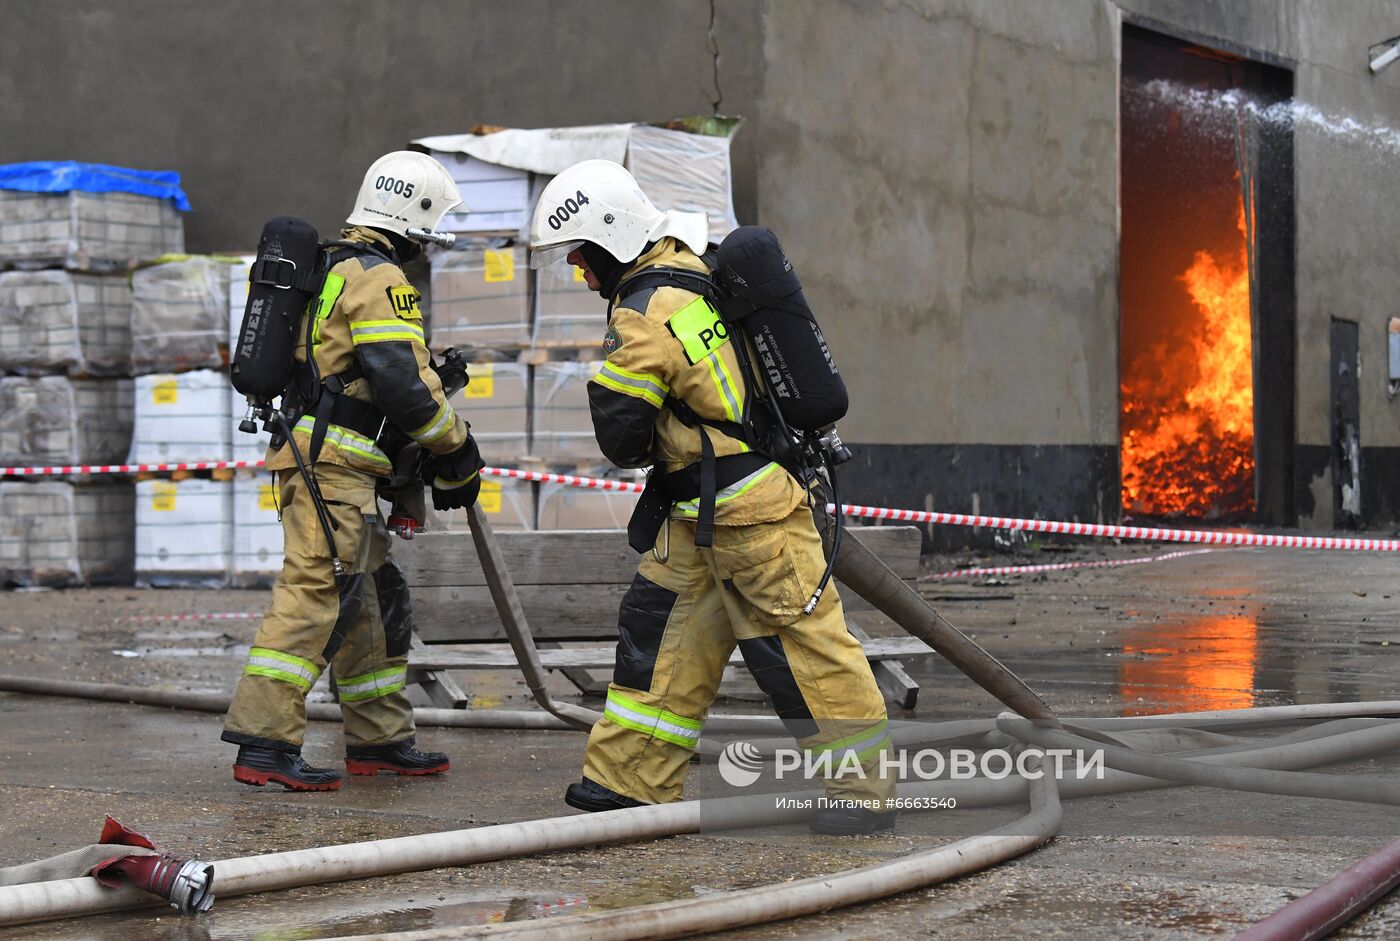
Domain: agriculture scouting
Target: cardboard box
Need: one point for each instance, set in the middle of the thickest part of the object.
(561, 421)
(179, 315)
(50, 420)
(498, 197)
(184, 532)
(85, 231)
(58, 533)
(495, 404)
(182, 417)
(564, 507)
(566, 309)
(61, 320)
(508, 503)
(480, 296)
(257, 532)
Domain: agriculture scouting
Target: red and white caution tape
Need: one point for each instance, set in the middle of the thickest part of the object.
(1060, 566)
(571, 480)
(1058, 527)
(63, 470)
(1109, 531)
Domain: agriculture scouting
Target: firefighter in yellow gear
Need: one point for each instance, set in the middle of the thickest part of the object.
(669, 361)
(367, 346)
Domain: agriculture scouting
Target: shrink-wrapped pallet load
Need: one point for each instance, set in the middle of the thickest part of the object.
(65, 321)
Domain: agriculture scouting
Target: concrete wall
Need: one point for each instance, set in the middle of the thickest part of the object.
(958, 210)
(269, 107)
(944, 174)
(957, 206)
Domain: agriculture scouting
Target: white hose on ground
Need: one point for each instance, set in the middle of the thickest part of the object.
(742, 908)
(252, 874)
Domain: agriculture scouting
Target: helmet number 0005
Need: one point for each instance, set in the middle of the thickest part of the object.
(566, 209)
(391, 185)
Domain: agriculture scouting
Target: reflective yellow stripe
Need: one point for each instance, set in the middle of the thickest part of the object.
(442, 484)
(372, 685)
(866, 743)
(736, 489)
(330, 293)
(274, 664)
(649, 720)
(435, 429)
(699, 328)
(346, 440)
(379, 331)
(724, 384)
(638, 385)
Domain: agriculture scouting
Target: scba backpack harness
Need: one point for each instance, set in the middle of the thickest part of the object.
(796, 394)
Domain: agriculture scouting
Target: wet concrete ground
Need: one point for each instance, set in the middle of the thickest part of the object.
(1228, 629)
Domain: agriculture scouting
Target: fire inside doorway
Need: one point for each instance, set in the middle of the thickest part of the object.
(1193, 128)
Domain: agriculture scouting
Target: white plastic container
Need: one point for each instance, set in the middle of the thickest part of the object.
(184, 532)
(182, 417)
(257, 532)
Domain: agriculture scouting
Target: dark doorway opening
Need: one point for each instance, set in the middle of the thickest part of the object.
(1208, 318)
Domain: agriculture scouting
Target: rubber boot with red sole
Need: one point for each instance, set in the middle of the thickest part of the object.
(396, 758)
(257, 766)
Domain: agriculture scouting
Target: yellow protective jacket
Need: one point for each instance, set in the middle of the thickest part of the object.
(368, 314)
(668, 341)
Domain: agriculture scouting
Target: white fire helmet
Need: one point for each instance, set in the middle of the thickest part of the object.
(598, 201)
(405, 190)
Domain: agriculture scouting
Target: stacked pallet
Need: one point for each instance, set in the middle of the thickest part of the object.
(66, 365)
(534, 337)
(186, 525)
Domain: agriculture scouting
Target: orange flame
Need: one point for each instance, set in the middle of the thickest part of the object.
(1188, 408)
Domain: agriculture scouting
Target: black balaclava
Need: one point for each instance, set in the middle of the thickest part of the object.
(405, 249)
(607, 269)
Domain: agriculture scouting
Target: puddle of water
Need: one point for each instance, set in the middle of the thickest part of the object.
(227, 650)
(309, 919)
(1189, 665)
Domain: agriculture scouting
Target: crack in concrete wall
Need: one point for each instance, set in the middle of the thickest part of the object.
(712, 45)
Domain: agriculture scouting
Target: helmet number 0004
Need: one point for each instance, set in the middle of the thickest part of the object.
(391, 185)
(570, 206)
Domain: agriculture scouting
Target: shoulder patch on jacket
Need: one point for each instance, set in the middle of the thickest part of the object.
(404, 300)
(638, 302)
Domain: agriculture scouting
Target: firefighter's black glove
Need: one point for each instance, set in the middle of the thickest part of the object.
(455, 477)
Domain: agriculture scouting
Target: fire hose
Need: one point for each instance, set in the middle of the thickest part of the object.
(1265, 767)
(254, 874)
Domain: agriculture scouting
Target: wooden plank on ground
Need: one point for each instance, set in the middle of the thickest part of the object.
(894, 682)
(555, 612)
(592, 656)
(595, 557)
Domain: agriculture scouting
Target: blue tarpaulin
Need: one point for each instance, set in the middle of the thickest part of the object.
(60, 176)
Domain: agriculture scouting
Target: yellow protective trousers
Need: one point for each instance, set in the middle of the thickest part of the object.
(679, 623)
(362, 627)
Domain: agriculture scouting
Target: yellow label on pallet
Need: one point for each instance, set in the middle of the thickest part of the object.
(578, 276)
(481, 383)
(163, 497)
(267, 498)
(165, 393)
(490, 497)
(500, 265)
